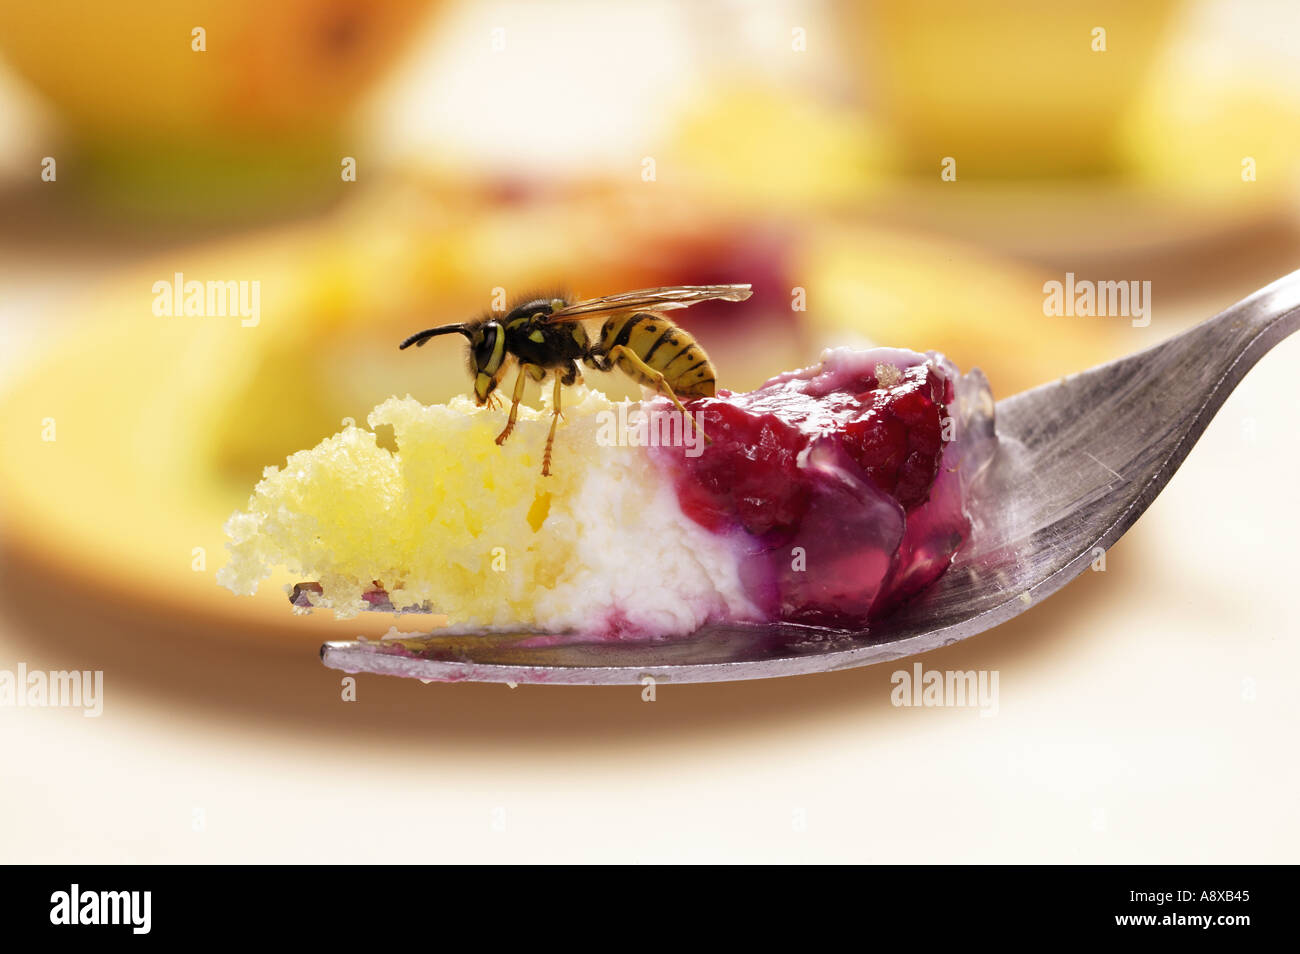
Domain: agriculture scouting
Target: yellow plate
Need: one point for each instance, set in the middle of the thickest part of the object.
(134, 439)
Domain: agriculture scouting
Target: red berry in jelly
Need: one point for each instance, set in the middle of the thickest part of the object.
(842, 485)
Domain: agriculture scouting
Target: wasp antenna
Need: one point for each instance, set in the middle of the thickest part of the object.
(420, 337)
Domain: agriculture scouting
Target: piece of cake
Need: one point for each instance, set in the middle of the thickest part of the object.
(827, 496)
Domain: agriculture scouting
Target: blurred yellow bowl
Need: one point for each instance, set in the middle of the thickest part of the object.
(254, 119)
(269, 69)
(1008, 87)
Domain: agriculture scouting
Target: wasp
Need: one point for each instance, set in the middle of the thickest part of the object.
(547, 336)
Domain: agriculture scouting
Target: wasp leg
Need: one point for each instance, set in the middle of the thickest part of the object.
(660, 383)
(514, 406)
(573, 375)
(555, 419)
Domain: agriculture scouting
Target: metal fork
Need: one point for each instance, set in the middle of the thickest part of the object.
(1079, 461)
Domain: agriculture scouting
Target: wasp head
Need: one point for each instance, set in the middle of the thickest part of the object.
(487, 358)
(487, 352)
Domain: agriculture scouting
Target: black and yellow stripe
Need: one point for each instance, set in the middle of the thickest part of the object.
(665, 348)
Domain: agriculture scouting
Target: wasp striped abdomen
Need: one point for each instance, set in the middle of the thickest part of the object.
(661, 346)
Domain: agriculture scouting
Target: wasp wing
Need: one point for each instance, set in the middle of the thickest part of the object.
(651, 299)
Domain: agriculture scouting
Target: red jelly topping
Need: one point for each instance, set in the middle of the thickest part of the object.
(838, 484)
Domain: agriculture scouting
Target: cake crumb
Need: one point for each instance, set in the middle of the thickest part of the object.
(888, 375)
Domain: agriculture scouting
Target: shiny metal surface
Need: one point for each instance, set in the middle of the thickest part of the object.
(1079, 461)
